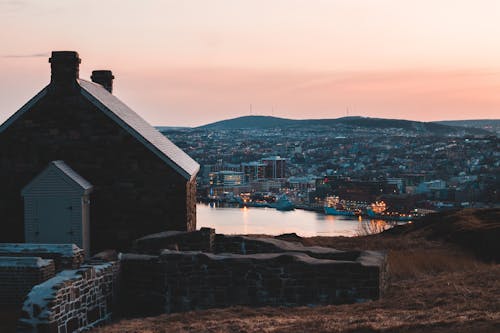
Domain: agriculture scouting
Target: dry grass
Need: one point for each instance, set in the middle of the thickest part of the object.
(412, 264)
(443, 302)
(431, 290)
(436, 285)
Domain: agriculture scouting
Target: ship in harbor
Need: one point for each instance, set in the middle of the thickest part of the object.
(377, 210)
(335, 206)
(283, 204)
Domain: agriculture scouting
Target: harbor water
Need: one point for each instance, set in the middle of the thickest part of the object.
(253, 220)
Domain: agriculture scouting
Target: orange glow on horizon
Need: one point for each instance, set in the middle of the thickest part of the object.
(193, 62)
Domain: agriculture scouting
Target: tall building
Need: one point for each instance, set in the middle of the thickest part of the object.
(275, 167)
(253, 171)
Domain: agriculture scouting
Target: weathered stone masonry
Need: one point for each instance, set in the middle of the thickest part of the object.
(71, 301)
(18, 275)
(182, 281)
(275, 273)
(258, 272)
(65, 256)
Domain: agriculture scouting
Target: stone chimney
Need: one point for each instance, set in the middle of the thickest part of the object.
(65, 68)
(104, 78)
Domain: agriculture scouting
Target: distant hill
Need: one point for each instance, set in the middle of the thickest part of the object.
(171, 128)
(492, 125)
(266, 122)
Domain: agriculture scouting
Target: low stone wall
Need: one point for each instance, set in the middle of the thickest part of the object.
(254, 245)
(206, 240)
(181, 281)
(143, 288)
(18, 275)
(65, 256)
(200, 240)
(71, 301)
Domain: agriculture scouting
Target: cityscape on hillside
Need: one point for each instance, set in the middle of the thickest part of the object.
(429, 170)
(304, 166)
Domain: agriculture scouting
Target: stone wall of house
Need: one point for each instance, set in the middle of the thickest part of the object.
(180, 281)
(65, 256)
(18, 275)
(191, 205)
(135, 192)
(71, 301)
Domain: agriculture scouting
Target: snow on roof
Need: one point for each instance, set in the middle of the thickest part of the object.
(140, 129)
(72, 174)
(62, 170)
(24, 262)
(66, 250)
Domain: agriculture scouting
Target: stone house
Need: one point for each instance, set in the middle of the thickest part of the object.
(142, 182)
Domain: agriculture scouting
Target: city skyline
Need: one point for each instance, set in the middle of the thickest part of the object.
(194, 62)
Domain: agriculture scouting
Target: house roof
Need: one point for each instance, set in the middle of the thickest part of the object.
(140, 129)
(64, 170)
(130, 121)
(72, 174)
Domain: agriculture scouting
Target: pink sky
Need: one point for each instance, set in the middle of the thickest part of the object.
(186, 63)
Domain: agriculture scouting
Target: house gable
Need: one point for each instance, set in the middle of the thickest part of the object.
(25, 108)
(58, 172)
(140, 129)
(128, 120)
(138, 188)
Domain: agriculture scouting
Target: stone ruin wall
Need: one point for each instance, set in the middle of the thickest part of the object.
(181, 281)
(200, 270)
(52, 290)
(65, 256)
(71, 301)
(245, 271)
(18, 275)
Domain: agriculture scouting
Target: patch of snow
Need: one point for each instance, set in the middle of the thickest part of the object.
(24, 262)
(66, 250)
(135, 256)
(98, 267)
(44, 292)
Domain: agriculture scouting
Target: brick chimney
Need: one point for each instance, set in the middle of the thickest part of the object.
(104, 78)
(65, 68)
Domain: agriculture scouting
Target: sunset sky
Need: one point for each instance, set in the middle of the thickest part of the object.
(187, 63)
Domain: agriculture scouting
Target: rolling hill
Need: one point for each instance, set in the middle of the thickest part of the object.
(267, 122)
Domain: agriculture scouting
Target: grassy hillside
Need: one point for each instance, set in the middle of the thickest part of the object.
(441, 280)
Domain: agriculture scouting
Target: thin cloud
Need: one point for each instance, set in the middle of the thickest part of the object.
(33, 55)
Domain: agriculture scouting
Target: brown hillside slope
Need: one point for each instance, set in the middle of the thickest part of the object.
(437, 285)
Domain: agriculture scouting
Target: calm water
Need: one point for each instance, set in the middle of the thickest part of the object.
(273, 222)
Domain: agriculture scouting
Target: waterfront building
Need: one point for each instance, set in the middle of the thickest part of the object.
(275, 167)
(226, 178)
(253, 170)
